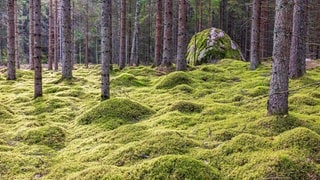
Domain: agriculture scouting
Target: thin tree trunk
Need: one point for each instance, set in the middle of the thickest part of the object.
(56, 66)
(278, 95)
(11, 40)
(106, 40)
(37, 51)
(122, 55)
(255, 35)
(16, 29)
(167, 43)
(87, 35)
(31, 35)
(134, 59)
(74, 57)
(297, 65)
(182, 37)
(51, 37)
(159, 34)
(66, 40)
(200, 24)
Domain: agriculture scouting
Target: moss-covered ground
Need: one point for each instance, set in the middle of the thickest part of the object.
(207, 123)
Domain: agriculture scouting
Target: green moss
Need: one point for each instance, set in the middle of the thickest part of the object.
(187, 107)
(174, 79)
(211, 45)
(301, 138)
(50, 136)
(183, 88)
(115, 112)
(127, 80)
(43, 105)
(99, 172)
(174, 167)
(299, 99)
(259, 91)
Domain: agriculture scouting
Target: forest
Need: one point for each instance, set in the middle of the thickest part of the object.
(159, 89)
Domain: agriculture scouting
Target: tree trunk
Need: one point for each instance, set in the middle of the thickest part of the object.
(200, 24)
(167, 43)
(159, 34)
(106, 40)
(278, 95)
(11, 40)
(87, 35)
(37, 50)
(182, 37)
(55, 59)
(134, 58)
(255, 35)
(31, 35)
(51, 37)
(122, 55)
(66, 40)
(297, 65)
(16, 29)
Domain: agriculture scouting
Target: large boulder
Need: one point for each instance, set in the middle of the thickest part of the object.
(210, 46)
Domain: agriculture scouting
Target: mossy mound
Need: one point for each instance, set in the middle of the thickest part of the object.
(158, 144)
(4, 113)
(301, 138)
(115, 112)
(50, 136)
(187, 107)
(126, 79)
(212, 45)
(174, 79)
(174, 167)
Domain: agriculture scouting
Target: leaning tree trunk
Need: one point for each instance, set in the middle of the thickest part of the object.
(16, 29)
(297, 65)
(182, 37)
(134, 58)
(11, 40)
(278, 95)
(106, 40)
(255, 35)
(66, 40)
(167, 43)
(31, 35)
(51, 37)
(159, 34)
(37, 51)
(122, 54)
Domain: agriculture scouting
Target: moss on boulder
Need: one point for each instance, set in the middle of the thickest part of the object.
(175, 167)
(212, 45)
(115, 112)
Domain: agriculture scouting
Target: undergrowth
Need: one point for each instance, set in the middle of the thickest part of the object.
(207, 123)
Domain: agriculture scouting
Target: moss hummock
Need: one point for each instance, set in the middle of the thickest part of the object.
(115, 112)
(210, 46)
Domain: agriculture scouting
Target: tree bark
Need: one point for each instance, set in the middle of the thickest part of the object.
(278, 95)
(255, 35)
(106, 55)
(159, 34)
(134, 58)
(181, 64)
(51, 37)
(297, 65)
(87, 36)
(66, 40)
(122, 54)
(167, 43)
(56, 65)
(37, 51)
(31, 35)
(16, 30)
(11, 40)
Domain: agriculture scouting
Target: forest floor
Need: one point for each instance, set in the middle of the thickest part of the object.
(207, 123)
